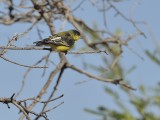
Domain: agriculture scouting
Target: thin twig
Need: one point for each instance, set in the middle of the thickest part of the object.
(53, 108)
(48, 83)
(78, 6)
(116, 81)
(21, 64)
(17, 104)
(10, 42)
(33, 99)
(26, 74)
(56, 85)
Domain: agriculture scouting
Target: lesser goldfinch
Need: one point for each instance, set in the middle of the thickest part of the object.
(61, 42)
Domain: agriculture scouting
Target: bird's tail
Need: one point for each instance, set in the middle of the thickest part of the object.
(40, 43)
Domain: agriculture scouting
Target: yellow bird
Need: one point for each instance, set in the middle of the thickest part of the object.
(60, 42)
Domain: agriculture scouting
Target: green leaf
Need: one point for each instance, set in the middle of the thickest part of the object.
(152, 57)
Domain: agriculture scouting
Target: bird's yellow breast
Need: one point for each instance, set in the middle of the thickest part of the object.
(60, 48)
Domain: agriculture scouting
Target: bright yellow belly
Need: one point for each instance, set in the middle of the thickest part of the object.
(60, 48)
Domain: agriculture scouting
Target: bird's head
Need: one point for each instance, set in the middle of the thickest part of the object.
(76, 34)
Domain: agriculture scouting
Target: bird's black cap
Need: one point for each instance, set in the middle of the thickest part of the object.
(76, 32)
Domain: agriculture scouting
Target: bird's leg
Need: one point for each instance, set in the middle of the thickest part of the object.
(65, 52)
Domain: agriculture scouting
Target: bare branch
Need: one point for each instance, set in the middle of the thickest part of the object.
(17, 104)
(116, 81)
(48, 49)
(21, 64)
(48, 82)
(26, 74)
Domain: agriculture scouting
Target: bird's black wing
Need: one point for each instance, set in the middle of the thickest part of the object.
(63, 41)
(57, 40)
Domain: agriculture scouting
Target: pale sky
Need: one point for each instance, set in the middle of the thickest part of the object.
(91, 93)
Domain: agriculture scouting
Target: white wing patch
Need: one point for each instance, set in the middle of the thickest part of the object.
(56, 38)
